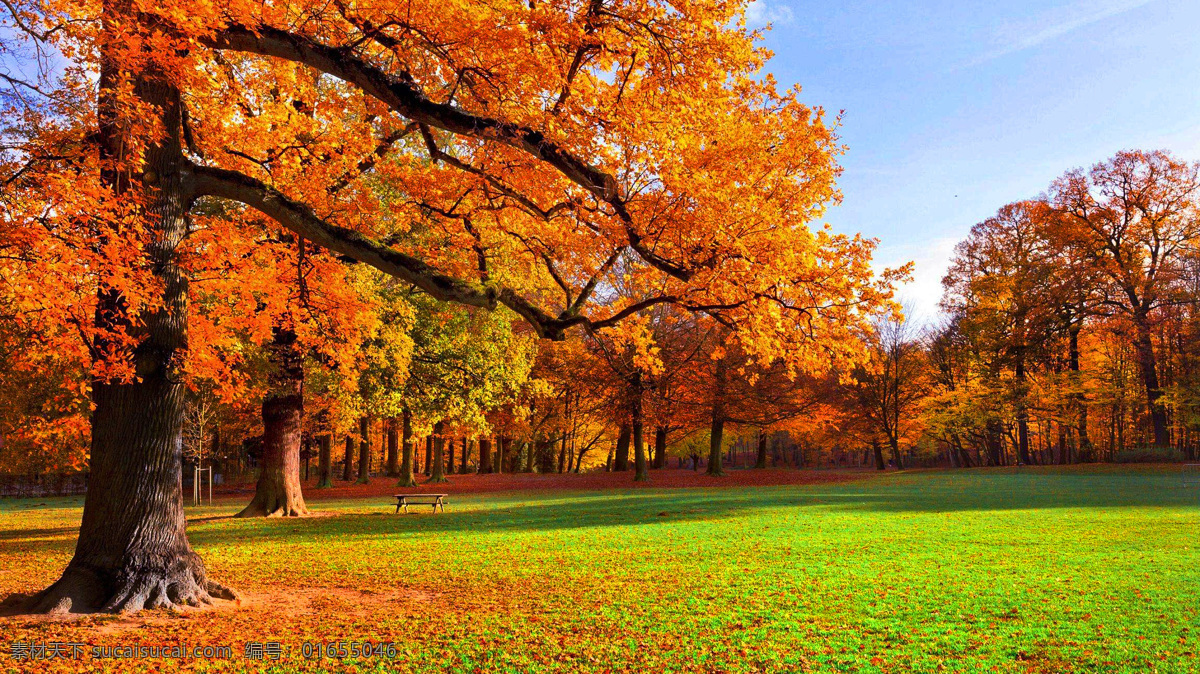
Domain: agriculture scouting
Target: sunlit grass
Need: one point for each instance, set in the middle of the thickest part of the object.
(1021, 570)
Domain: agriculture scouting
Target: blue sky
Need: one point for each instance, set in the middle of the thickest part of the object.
(953, 108)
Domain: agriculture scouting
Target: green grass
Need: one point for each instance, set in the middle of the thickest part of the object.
(972, 571)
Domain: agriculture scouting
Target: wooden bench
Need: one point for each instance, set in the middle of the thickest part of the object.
(435, 500)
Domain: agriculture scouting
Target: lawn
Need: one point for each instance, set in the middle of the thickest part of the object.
(1042, 570)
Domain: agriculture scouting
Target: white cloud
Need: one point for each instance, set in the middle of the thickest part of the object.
(1055, 23)
(759, 13)
(930, 259)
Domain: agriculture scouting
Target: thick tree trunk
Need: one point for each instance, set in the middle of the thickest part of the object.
(660, 447)
(324, 459)
(277, 493)
(621, 458)
(364, 450)
(485, 455)
(393, 449)
(640, 465)
(406, 441)
(466, 456)
(348, 460)
(760, 460)
(133, 550)
(439, 458)
(1148, 364)
(877, 450)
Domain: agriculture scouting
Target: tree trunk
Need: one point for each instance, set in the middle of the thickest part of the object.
(717, 430)
(895, 443)
(277, 493)
(439, 459)
(640, 465)
(877, 450)
(428, 455)
(393, 449)
(1148, 364)
(450, 456)
(324, 460)
(621, 458)
(761, 460)
(466, 455)
(348, 460)
(1022, 413)
(364, 450)
(485, 455)
(502, 453)
(133, 551)
(407, 450)
(660, 447)
(1084, 450)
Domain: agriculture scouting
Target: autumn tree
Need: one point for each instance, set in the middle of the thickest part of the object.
(1136, 215)
(555, 123)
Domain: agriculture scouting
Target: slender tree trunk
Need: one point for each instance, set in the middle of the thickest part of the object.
(439, 458)
(895, 443)
(450, 456)
(428, 455)
(761, 459)
(393, 449)
(621, 459)
(407, 450)
(348, 461)
(485, 455)
(502, 453)
(466, 455)
(277, 493)
(364, 450)
(717, 431)
(133, 551)
(324, 461)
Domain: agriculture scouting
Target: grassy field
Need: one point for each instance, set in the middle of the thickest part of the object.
(972, 571)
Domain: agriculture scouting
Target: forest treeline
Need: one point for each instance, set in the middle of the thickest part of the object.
(1069, 335)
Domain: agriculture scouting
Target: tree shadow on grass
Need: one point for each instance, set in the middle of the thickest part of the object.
(920, 492)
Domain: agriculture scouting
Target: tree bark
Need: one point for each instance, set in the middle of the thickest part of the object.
(278, 493)
(895, 443)
(407, 450)
(877, 450)
(485, 455)
(348, 460)
(364, 450)
(660, 447)
(133, 551)
(324, 469)
(1148, 364)
(717, 430)
(439, 460)
(1022, 413)
(621, 459)
(640, 465)
(428, 455)
(760, 461)
(393, 449)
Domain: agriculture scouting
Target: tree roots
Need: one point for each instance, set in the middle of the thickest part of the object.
(84, 590)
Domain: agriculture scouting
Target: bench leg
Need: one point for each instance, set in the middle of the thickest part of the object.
(397, 507)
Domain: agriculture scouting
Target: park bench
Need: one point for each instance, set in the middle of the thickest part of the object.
(435, 500)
